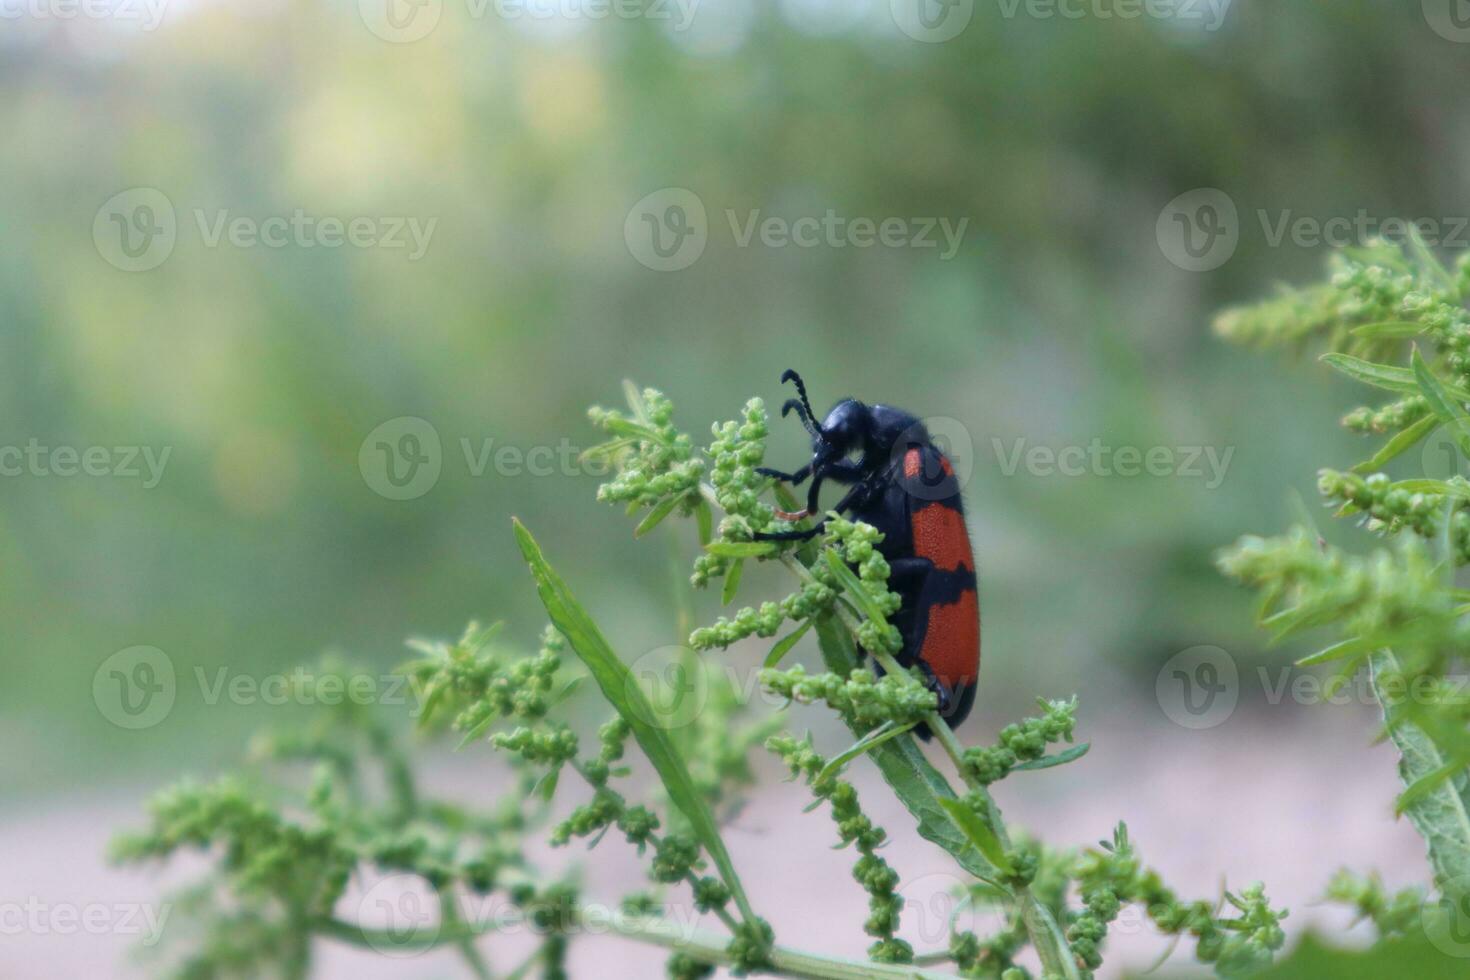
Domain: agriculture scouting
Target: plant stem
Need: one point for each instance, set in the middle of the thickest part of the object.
(703, 946)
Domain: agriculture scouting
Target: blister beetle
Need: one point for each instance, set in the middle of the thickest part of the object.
(903, 485)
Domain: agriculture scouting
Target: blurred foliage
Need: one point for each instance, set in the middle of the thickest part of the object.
(1059, 321)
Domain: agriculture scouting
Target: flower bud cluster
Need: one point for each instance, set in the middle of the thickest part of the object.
(1389, 509)
(1023, 742)
(853, 827)
(862, 699)
(1114, 876)
(652, 459)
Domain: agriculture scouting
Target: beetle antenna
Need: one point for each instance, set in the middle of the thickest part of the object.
(806, 420)
(790, 375)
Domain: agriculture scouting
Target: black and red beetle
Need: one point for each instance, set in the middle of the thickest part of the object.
(903, 485)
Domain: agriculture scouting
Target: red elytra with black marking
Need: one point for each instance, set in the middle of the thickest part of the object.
(903, 485)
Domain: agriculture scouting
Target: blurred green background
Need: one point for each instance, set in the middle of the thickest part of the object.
(1059, 320)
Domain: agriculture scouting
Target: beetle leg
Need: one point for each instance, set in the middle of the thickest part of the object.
(806, 535)
(902, 571)
(795, 479)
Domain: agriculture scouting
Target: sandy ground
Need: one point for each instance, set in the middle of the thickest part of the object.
(1286, 799)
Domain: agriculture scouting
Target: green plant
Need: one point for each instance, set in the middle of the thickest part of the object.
(1392, 318)
(284, 858)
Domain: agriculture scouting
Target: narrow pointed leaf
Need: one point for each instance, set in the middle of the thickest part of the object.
(1402, 440)
(740, 549)
(979, 833)
(1059, 759)
(622, 691)
(1388, 330)
(784, 645)
(884, 732)
(732, 582)
(664, 508)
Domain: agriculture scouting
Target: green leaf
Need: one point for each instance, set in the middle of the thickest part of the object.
(740, 549)
(1405, 381)
(1439, 808)
(622, 691)
(1441, 487)
(1446, 402)
(979, 833)
(1401, 441)
(853, 586)
(1443, 398)
(705, 519)
(664, 508)
(1412, 955)
(1354, 647)
(732, 582)
(916, 783)
(1430, 264)
(1060, 759)
(884, 732)
(1388, 330)
(1384, 376)
(784, 645)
